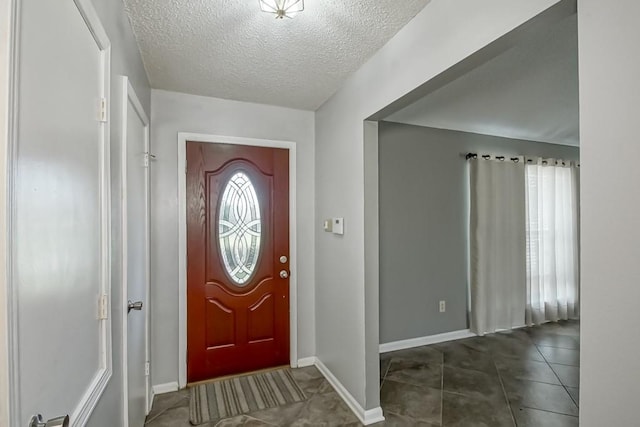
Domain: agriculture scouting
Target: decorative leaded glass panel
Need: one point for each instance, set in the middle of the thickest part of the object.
(239, 228)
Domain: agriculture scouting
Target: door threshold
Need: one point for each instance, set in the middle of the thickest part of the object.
(244, 374)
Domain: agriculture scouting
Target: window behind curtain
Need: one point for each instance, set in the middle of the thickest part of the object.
(552, 242)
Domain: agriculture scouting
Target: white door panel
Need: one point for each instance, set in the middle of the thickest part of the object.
(60, 249)
(137, 256)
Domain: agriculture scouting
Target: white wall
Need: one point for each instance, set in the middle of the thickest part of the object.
(610, 148)
(174, 112)
(5, 15)
(125, 54)
(443, 34)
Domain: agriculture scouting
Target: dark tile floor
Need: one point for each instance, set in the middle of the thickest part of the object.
(527, 377)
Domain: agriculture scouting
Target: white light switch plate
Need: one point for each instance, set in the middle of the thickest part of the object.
(338, 225)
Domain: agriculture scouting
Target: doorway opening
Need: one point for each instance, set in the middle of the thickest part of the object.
(423, 120)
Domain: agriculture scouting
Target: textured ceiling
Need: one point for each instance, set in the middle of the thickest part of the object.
(229, 49)
(529, 92)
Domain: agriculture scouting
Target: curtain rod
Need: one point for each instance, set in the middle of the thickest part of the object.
(469, 156)
(488, 156)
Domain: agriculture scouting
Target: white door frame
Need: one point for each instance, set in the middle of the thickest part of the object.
(8, 12)
(98, 384)
(129, 96)
(183, 137)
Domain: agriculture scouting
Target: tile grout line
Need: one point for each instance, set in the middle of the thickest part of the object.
(442, 389)
(556, 363)
(558, 377)
(537, 344)
(551, 412)
(539, 382)
(384, 377)
(543, 362)
(571, 396)
(563, 364)
(504, 392)
(550, 367)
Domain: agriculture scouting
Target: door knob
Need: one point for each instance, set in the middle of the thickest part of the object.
(37, 421)
(283, 259)
(284, 274)
(134, 306)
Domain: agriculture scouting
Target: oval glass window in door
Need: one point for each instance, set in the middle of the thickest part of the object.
(239, 228)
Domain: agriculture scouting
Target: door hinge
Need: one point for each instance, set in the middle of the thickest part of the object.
(102, 110)
(146, 368)
(103, 307)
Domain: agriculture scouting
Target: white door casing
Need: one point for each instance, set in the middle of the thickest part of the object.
(6, 76)
(59, 217)
(183, 137)
(135, 256)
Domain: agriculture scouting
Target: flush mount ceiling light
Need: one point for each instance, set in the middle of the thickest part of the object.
(282, 8)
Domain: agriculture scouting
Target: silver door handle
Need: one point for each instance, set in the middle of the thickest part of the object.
(134, 306)
(37, 421)
(284, 274)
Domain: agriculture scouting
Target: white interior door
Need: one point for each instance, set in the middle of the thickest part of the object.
(60, 217)
(136, 254)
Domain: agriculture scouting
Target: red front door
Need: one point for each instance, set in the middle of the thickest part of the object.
(237, 259)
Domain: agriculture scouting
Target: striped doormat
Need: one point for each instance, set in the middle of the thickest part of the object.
(242, 395)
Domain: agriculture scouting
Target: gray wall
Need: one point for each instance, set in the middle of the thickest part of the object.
(441, 35)
(610, 202)
(175, 112)
(424, 224)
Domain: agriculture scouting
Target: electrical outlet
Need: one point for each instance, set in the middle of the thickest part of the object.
(443, 306)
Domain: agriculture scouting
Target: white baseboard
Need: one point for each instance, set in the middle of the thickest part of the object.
(165, 388)
(420, 341)
(372, 416)
(306, 361)
(366, 417)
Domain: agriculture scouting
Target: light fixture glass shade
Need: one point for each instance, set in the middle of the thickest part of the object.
(282, 8)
